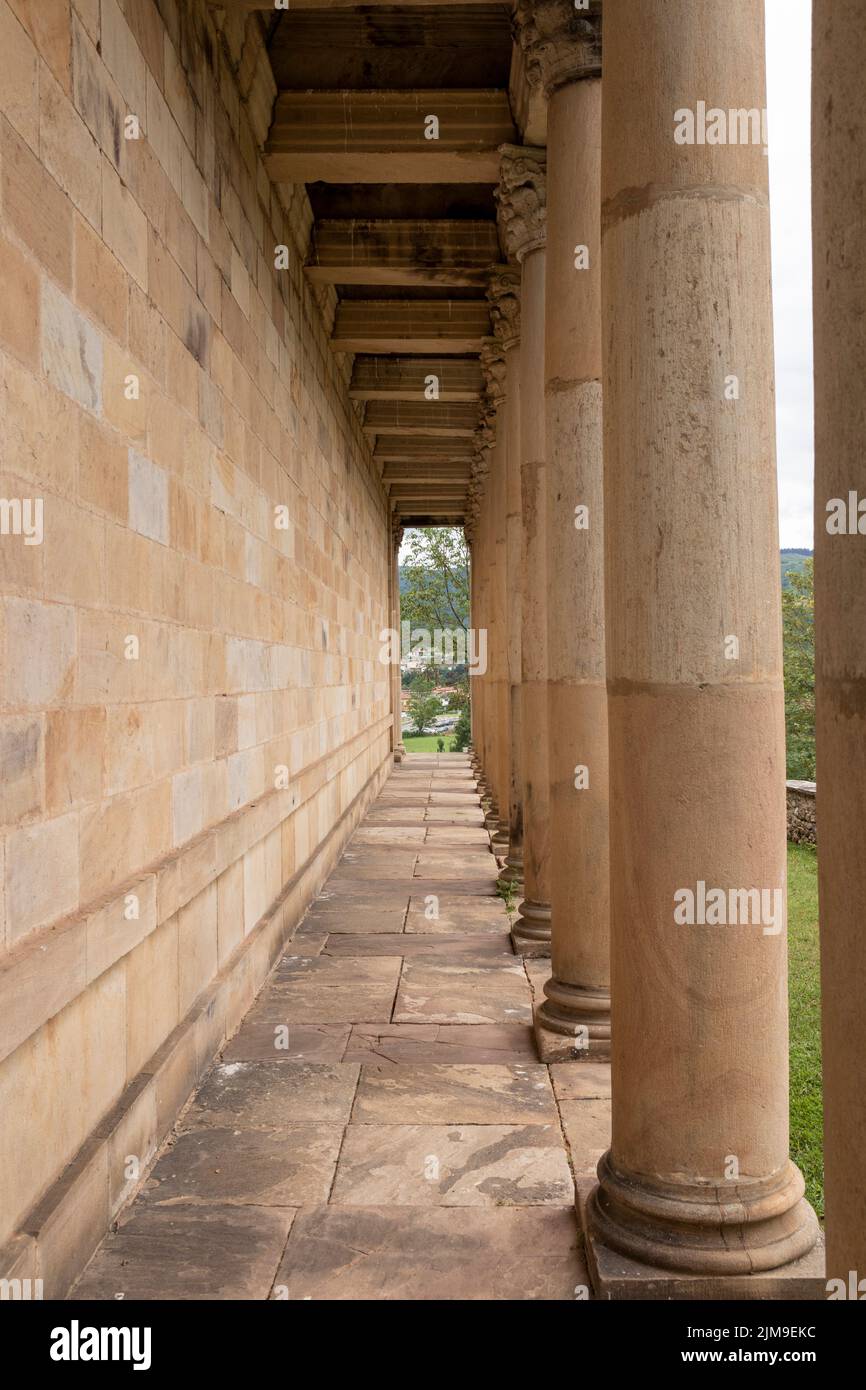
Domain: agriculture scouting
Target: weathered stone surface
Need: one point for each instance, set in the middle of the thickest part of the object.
(399, 1044)
(266, 1025)
(325, 990)
(273, 1095)
(586, 1081)
(450, 914)
(183, 1253)
(447, 991)
(453, 1165)
(489, 947)
(587, 1129)
(459, 1094)
(247, 1167)
(397, 1253)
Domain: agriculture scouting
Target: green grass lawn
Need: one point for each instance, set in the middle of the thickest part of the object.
(804, 994)
(427, 743)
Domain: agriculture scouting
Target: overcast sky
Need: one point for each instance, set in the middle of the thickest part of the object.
(788, 84)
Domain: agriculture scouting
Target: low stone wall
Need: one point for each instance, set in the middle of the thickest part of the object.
(801, 813)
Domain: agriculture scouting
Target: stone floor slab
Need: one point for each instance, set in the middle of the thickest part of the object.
(437, 835)
(247, 1167)
(266, 1034)
(450, 991)
(587, 1129)
(273, 1094)
(441, 1253)
(581, 1080)
(453, 1165)
(489, 946)
(397, 834)
(457, 1093)
(189, 1253)
(327, 990)
(401, 1044)
(456, 914)
(343, 916)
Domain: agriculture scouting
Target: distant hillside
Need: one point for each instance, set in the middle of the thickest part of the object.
(792, 560)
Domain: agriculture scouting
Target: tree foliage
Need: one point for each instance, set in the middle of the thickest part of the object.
(462, 731)
(434, 576)
(798, 629)
(422, 706)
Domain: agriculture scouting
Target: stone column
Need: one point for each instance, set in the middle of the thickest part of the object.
(839, 228)
(697, 1178)
(521, 198)
(397, 745)
(492, 430)
(504, 296)
(482, 617)
(562, 49)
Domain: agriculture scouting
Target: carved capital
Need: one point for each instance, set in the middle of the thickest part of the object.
(522, 198)
(503, 296)
(560, 43)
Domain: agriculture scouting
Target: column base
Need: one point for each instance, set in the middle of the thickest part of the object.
(511, 874)
(399, 753)
(572, 1024)
(615, 1276)
(530, 935)
(741, 1240)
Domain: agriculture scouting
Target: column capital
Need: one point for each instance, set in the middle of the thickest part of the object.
(561, 44)
(396, 534)
(503, 296)
(522, 198)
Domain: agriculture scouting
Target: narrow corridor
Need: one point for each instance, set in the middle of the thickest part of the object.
(379, 1127)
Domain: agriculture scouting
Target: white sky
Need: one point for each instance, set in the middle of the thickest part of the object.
(788, 100)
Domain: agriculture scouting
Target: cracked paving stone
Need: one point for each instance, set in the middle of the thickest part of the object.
(325, 990)
(399, 1044)
(453, 1165)
(438, 1253)
(451, 991)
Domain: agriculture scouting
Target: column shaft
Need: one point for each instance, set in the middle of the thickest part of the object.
(839, 225)
(511, 695)
(531, 934)
(574, 1021)
(698, 1176)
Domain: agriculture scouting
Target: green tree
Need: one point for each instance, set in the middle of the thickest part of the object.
(462, 731)
(434, 579)
(798, 633)
(422, 706)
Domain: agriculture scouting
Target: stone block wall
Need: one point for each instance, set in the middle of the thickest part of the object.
(191, 707)
(801, 813)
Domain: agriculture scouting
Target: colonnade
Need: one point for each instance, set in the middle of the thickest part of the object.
(646, 738)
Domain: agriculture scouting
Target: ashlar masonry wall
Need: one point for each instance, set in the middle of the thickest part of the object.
(192, 713)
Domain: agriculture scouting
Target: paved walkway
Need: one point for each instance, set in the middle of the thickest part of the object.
(379, 1127)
